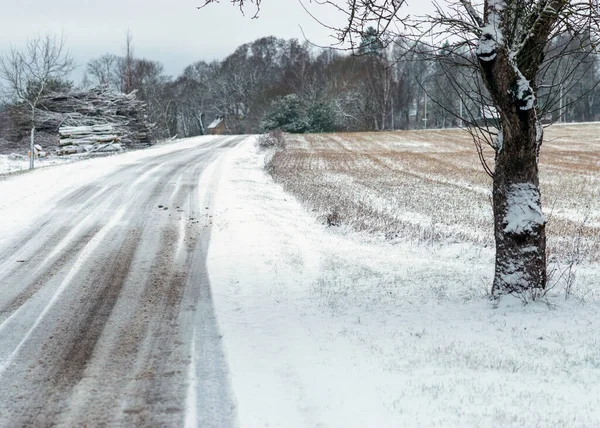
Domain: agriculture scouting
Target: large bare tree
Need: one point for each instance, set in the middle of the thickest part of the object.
(509, 41)
(30, 73)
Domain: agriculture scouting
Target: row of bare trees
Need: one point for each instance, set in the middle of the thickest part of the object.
(404, 85)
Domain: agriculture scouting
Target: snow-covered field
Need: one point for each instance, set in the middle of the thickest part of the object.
(429, 186)
(340, 327)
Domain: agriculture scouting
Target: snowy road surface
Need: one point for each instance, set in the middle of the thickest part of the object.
(106, 314)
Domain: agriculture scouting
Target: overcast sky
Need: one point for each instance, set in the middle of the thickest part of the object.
(173, 32)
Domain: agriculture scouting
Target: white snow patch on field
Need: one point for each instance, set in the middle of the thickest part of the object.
(332, 328)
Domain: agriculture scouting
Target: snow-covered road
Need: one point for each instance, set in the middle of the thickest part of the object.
(106, 314)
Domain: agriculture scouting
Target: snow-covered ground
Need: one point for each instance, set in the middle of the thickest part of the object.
(329, 327)
(14, 162)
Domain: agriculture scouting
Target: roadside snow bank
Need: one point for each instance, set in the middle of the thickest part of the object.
(15, 163)
(324, 327)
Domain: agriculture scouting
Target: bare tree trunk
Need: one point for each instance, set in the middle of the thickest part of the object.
(128, 63)
(519, 225)
(32, 139)
(200, 119)
(184, 124)
(32, 148)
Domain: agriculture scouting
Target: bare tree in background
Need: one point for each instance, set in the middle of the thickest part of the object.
(104, 71)
(127, 73)
(31, 72)
(508, 41)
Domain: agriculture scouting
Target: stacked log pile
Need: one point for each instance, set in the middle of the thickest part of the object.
(99, 111)
(97, 138)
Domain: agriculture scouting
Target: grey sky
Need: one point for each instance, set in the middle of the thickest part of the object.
(173, 32)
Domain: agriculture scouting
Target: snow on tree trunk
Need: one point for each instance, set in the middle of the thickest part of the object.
(519, 224)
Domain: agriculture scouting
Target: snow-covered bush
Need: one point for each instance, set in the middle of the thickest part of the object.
(291, 114)
(286, 114)
(272, 140)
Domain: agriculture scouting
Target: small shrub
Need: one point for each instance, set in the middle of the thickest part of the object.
(332, 218)
(274, 139)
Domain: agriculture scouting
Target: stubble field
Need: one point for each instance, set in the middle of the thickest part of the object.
(430, 186)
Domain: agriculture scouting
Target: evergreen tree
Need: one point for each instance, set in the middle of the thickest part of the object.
(320, 117)
(286, 113)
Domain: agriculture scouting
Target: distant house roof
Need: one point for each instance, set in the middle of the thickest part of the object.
(215, 123)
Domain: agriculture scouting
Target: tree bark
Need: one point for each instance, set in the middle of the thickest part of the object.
(32, 148)
(519, 226)
(200, 119)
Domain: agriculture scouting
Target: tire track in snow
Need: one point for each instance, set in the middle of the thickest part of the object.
(72, 341)
(79, 263)
(66, 246)
(60, 222)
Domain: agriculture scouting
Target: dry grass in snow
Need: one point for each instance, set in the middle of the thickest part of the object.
(429, 185)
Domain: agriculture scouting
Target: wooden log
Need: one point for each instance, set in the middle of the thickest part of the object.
(69, 131)
(69, 150)
(88, 139)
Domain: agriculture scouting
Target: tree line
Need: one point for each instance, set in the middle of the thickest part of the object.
(275, 83)
(272, 83)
